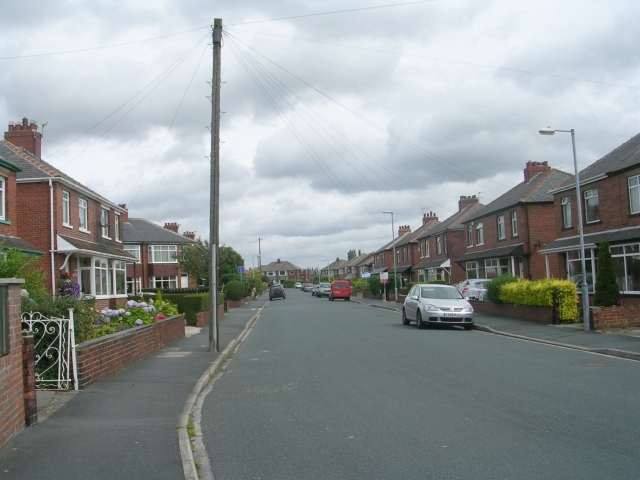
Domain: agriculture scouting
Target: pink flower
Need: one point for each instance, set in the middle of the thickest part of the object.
(160, 317)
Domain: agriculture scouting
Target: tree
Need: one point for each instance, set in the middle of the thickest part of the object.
(228, 262)
(17, 264)
(351, 254)
(194, 260)
(607, 292)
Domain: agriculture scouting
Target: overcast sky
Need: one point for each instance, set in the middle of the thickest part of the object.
(328, 119)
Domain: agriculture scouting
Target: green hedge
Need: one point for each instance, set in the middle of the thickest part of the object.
(194, 303)
(235, 290)
(540, 293)
(289, 283)
(494, 287)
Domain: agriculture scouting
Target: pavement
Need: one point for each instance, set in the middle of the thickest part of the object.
(134, 423)
(617, 342)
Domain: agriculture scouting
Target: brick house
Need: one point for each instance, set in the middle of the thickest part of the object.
(407, 248)
(156, 250)
(335, 269)
(279, 272)
(383, 257)
(505, 236)
(610, 190)
(78, 229)
(354, 268)
(437, 246)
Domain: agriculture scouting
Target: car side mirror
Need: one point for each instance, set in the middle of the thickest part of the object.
(414, 297)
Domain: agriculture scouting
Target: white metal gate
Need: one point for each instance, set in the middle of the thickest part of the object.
(55, 348)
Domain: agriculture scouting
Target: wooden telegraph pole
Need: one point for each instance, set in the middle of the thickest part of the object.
(214, 213)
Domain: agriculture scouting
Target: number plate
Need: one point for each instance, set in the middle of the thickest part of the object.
(453, 315)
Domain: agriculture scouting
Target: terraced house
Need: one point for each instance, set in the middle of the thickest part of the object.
(79, 230)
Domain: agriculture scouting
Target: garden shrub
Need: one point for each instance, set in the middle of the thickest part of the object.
(607, 292)
(234, 290)
(375, 285)
(494, 286)
(359, 285)
(289, 284)
(194, 303)
(540, 293)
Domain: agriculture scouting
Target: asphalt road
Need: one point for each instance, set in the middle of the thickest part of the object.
(336, 390)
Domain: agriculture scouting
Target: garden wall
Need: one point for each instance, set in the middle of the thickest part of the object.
(14, 399)
(104, 356)
(522, 312)
(616, 317)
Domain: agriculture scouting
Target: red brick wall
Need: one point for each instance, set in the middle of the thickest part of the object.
(12, 414)
(541, 218)
(105, 356)
(457, 246)
(616, 317)
(521, 312)
(10, 214)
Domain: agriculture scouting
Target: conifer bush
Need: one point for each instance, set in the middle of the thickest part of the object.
(607, 291)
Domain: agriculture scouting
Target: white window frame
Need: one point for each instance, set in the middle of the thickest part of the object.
(502, 230)
(271, 274)
(634, 194)
(163, 254)
(514, 224)
(133, 250)
(3, 198)
(567, 220)
(83, 214)
(591, 196)
(101, 277)
(66, 216)
(479, 233)
(116, 228)
(163, 282)
(470, 235)
(438, 245)
(427, 248)
(104, 223)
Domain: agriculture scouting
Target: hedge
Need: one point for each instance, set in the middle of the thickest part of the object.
(540, 293)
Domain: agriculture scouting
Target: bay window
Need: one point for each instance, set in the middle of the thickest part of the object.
(163, 254)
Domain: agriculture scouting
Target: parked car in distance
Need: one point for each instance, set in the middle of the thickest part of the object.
(430, 304)
(577, 279)
(324, 289)
(314, 290)
(470, 282)
(298, 285)
(340, 289)
(276, 291)
(476, 291)
(307, 287)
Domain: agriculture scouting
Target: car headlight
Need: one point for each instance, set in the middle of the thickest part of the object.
(431, 308)
(468, 309)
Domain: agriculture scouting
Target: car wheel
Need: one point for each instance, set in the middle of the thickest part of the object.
(270, 298)
(283, 297)
(419, 322)
(348, 299)
(405, 320)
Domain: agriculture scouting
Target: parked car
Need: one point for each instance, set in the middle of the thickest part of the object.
(476, 291)
(314, 290)
(298, 285)
(324, 289)
(577, 279)
(430, 304)
(276, 291)
(340, 289)
(464, 286)
(307, 287)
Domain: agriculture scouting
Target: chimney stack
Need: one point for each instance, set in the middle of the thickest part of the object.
(124, 217)
(403, 230)
(189, 235)
(359, 253)
(172, 227)
(25, 135)
(534, 168)
(464, 201)
(428, 217)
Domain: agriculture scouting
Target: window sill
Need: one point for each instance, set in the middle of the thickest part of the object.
(595, 222)
(83, 230)
(5, 222)
(66, 225)
(106, 238)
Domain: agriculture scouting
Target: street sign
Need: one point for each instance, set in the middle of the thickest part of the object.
(241, 269)
(366, 275)
(384, 277)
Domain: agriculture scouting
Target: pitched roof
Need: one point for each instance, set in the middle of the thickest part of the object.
(273, 266)
(413, 236)
(623, 157)
(139, 230)
(36, 168)
(536, 190)
(9, 241)
(454, 222)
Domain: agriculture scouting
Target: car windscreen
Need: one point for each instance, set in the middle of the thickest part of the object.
(444, 293)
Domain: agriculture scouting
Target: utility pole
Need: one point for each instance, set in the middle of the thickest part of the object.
(214, 212)
(260, 260)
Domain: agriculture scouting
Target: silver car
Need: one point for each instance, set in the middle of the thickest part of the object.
(324, 289)
(431, 304)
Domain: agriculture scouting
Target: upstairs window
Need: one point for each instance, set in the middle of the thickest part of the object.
(634, 194)
(438, 245)
(427, 248)
(514, 224)
(567, 222)
(479, 234)
(470, 236)
(116, 228)
(66, 219)
(163, 254)
(502, 233)
(84, 214)
(133, 250)
(104, 222)
(3, 192)
(591, 206)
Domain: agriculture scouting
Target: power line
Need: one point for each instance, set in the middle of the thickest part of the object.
(333, 13)
(459, 62)
(101, 47)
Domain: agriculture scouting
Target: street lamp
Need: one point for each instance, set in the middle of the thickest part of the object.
(320, 278)
(393, 238)
(585, 288)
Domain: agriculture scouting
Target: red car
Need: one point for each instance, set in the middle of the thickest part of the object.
(340, 289)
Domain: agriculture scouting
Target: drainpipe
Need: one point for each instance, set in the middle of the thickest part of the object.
(53, 266)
